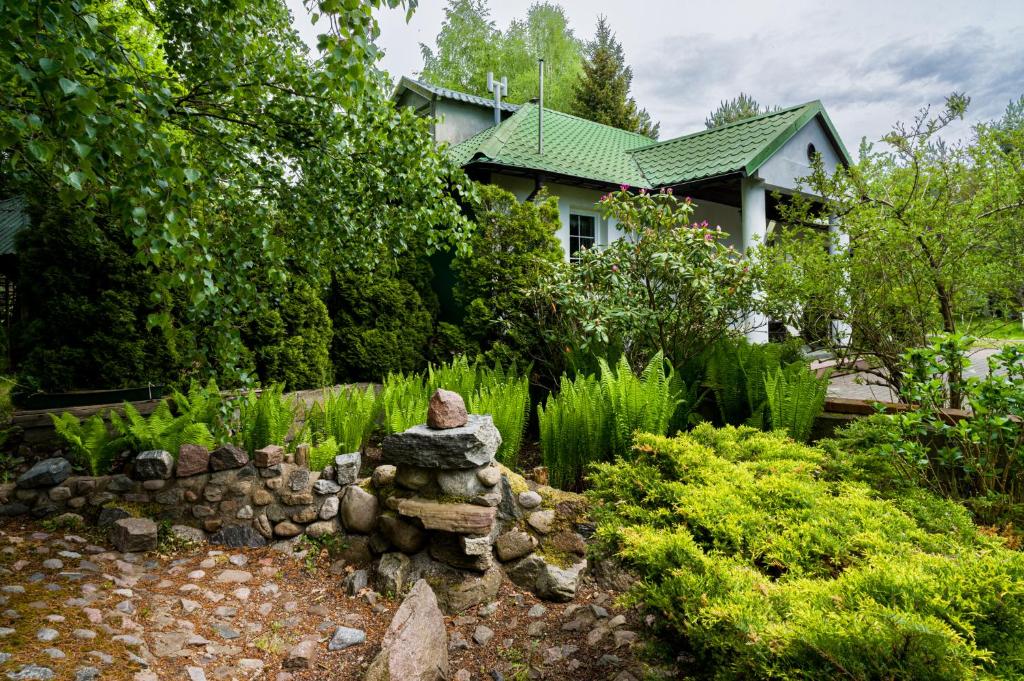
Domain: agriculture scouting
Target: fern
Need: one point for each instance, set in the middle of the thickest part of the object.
(321, 455)
(795, 398)
(346, 415)
(161, 430)
(508, 402)
(575, 429)
(404, 400)
(459, 376)
(645, 403)
(266, 418)
(90, 440)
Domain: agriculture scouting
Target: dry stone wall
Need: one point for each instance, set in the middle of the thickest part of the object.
(440, 508)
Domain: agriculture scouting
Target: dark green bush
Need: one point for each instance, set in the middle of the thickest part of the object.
(381, 325)
(761, 568)
(84, 301)
(291, 343)
(513, 247)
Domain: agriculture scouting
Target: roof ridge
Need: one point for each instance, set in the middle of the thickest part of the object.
(590, 122)
(501, 133)
(734, 124)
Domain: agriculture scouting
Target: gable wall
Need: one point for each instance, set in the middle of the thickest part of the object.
(790, 162)
(458, 121)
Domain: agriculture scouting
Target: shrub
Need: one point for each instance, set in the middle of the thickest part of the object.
(667, 285)
(291, 342)
(758, 567)
(160, 430)
(381, 326)
(512, 247)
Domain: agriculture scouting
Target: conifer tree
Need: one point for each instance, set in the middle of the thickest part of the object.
(602, 91)
(737, 109)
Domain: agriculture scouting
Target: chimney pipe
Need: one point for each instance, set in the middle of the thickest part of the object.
(540, 110)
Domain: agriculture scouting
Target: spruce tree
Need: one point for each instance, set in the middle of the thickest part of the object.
(602, 91)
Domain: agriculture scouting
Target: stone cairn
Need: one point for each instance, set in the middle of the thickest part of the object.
(440, 508)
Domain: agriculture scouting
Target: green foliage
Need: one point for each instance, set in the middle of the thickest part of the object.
(322, 454)
(645, 402)
(381, 325)
(929, 236)
(404, 399)
(345, 416)
(601, 93)
(90, 440)
(469, 45)
(795, 398)
(206, 136)
(975, 459)
(291, 342)
(668, 286)
(735, 370)
(160, 430)
(513, 246)
(85, 299)
(459, 376)
(758, 567)
(575, 429)
(734, 110)
(266, 417)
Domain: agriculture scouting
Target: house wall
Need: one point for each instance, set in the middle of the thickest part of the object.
(459, 121)
(581, 200)
(791, 163)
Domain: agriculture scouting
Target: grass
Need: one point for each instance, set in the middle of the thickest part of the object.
(995, 332)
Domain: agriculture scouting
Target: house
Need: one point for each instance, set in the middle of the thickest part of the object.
(733, 173)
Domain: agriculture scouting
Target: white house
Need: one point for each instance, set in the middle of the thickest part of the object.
(731, 172)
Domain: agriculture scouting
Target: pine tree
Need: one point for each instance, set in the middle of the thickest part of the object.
(602, 91)
(736, 109)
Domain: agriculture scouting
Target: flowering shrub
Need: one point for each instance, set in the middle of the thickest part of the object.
(669, 285)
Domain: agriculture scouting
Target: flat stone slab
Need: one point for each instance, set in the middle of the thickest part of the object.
(133, 535)
(46, 473)
(457, 518)
(469, 446)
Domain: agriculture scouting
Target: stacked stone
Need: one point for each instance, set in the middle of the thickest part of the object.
(446, 486)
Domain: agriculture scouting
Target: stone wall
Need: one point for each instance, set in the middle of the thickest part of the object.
(440, 508)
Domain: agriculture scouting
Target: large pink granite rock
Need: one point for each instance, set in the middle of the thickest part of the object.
(446, 410)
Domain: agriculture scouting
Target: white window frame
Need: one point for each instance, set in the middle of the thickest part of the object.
(596, 240)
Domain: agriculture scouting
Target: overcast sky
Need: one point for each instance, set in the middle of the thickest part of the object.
(872, 62)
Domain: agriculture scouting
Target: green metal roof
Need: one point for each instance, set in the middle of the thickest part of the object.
(580, 148)
(425, 89)
(572, 146)
(13, 219)
(743, 146)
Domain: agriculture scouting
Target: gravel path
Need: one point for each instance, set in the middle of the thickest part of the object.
(73, 609)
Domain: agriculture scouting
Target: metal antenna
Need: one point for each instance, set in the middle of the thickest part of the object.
(540, 109)
(499, 88)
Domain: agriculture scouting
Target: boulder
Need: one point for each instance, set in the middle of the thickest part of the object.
(547, 581)
(359, 510)
(515, 544)
(191, 535)
(542, 521)
(446, 410)
(384, 476)
(404, 536)
(192, 460)
(271, 455)
(46, 473)
(329, 509)
(457, 518)
(133, 535)
(322, 528)
(415, 646)
(238, 536)
(392, 573)
(489, 476)
(324, 487)
(346, 468)
(529, 499)
(346, 637)
(298, 480)
(468, 446)
(412, 477)
(155, 464)
(449, 549)
(287, 529)
(463, 483)
(227, 457)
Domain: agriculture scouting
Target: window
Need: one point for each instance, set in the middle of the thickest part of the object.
(582, 234)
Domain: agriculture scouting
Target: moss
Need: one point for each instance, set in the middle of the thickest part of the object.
(515, 481)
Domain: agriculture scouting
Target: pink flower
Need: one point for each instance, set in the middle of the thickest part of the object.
(707, 237)
(624, 187)
(615, 268)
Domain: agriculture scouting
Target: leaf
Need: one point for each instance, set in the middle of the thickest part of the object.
(191, 174)
(49, 66)
(70, 87)
(75, 179)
